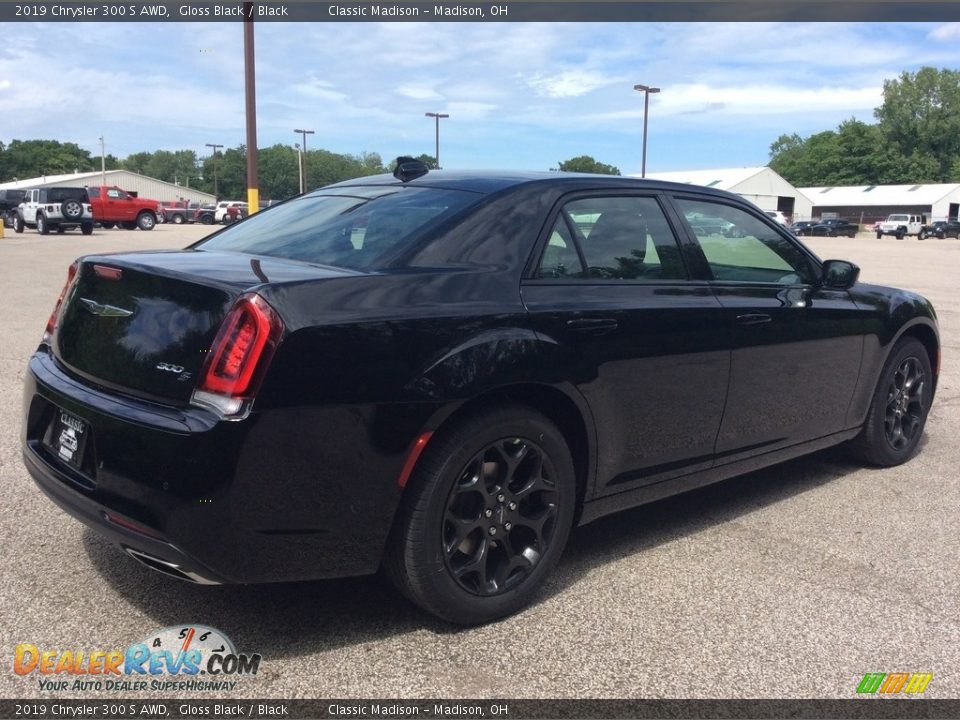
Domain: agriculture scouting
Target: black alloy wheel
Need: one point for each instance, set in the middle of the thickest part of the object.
(898, 411)
(905, 409)
(485, 515)
(501, 516)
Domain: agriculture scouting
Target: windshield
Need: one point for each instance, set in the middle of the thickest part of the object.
(356, 230)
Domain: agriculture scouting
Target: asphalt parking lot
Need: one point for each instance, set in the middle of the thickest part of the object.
(790, 582)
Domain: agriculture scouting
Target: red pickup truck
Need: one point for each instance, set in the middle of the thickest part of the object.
(113, 206)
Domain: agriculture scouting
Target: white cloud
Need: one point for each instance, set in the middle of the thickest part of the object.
(945, 32)
(571, 83)
(418, 92)
(4, 84)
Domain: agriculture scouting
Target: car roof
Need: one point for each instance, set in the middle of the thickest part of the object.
(490, 181)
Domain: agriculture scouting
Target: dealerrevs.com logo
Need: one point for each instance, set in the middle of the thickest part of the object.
(181, 658)
(894, 683)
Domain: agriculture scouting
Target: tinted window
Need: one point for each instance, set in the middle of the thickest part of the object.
(741, 247)
(354, 231)
(61, 194)
(620, 238)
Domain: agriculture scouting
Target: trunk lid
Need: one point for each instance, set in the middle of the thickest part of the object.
(143, 323)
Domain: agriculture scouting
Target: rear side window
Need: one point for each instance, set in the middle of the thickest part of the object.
(612, 238)
(357, 231)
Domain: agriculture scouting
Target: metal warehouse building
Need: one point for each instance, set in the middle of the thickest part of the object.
(760, 185)
(142, 185)
(869, 203)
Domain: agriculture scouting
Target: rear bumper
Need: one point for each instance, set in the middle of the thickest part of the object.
(286, 494)
(155, 552)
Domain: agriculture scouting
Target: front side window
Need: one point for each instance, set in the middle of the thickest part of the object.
(740, 247)
(612, 238)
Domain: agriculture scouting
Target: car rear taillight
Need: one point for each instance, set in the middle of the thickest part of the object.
(55, 315)
(239, 356)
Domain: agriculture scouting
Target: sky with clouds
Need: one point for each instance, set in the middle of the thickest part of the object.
(519, 95)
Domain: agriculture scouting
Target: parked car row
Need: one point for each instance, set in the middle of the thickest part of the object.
(830, 227)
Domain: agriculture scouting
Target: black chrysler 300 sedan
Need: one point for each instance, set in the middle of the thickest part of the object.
(441, 373)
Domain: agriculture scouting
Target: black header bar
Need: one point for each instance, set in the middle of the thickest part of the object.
(484, 11)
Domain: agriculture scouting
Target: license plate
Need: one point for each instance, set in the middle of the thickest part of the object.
(68, 438)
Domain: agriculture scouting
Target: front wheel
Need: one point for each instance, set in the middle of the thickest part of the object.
(899, 407)
(18, 224)
(879, 234)
(146, 221)
(485, 517)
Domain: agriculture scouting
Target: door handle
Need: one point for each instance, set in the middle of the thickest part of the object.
(592, 326)
(754, 319)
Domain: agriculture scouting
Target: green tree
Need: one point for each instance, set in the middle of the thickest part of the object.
(586, 164)
(279, 172)
(33, 158)
(920, 117)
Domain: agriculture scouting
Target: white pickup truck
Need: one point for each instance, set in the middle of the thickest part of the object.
(900, 225)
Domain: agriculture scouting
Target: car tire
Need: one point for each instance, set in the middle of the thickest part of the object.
(206, 220)
(177, 220)
(879, 235)
(108, 225)
(18, 224)
(485, 487)
(61, 229)
(900, 234)
(898, 410)
(146, 221)
(42, 226)
(922, 235)
(852, 234)
(71, 209)
(87, 228)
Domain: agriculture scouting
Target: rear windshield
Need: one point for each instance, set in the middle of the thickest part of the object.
(359, 230)
(61, 194)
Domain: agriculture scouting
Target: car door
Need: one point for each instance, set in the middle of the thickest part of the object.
(641, 341)
(797, 347)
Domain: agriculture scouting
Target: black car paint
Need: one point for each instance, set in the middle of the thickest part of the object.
(306, 486)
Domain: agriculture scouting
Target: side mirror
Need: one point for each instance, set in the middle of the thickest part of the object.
(839, 274)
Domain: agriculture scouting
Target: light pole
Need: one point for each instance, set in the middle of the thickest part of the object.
(299, 164)
(216, 195)
(437, 117)
(103, 162)
(647, 91)
(303, 158)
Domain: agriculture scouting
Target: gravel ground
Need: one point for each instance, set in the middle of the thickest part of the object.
(790, 582)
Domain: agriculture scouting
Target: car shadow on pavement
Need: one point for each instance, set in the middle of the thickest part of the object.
(293, 619)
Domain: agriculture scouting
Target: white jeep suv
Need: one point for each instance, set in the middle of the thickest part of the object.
(54, 208)
(900, 225)
(222, 208)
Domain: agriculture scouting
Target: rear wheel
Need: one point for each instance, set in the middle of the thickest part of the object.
(922, 235)
(879, 234)
(42, 227)
(206, 219)
(899, 407)
(486, 516)
(71, 209)
(146, 221)
(178, 219)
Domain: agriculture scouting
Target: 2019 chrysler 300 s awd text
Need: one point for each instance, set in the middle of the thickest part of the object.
(441, 373)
